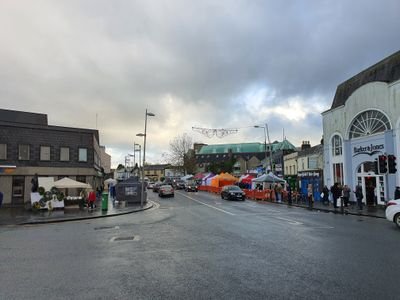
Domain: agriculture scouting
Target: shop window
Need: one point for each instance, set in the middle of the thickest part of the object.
(44, 153)
(367, 123)
(64, 154)
(82, 154)
(337, 145)
(23, 152)
(3, 151)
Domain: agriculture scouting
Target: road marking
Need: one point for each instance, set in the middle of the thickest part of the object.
(224, 211)
(293, 222)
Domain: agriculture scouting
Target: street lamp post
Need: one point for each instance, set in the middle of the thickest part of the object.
(144, 151)
(265, 145)
(266, 134)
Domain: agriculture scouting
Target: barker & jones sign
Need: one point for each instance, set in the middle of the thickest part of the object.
(369, 150)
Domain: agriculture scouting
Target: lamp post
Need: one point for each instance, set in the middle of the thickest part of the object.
(134, 153)
(266, 134)
(144, 151)
(265, 145)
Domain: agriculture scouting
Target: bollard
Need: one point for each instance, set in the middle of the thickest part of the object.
(104, 201)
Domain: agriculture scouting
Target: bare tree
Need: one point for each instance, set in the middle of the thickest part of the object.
(180, 153)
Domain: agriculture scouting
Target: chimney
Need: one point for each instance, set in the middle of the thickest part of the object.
(305, 145)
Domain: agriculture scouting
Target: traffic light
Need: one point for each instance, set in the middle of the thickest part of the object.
(382, 164)
(392, 164)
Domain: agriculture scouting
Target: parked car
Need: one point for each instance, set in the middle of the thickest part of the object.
(166, 190)
(150, 185)
(393, 211)
(232, 192)
(191, 186)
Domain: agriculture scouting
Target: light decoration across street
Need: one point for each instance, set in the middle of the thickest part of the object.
(211, 132)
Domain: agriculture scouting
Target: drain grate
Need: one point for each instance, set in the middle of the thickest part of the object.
(123, 238)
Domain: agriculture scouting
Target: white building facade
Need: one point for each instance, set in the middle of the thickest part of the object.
(363, 123)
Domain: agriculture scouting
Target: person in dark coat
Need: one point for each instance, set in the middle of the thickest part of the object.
(325, 198)
(336, 192)
(359, 196)
(370, 191)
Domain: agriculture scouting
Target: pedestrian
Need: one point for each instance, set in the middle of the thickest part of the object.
(310, 197)
(325, 198)
(91, 199)
(1, 198)
(336, 192)
(370, 194)
(359, 196)
(289, 194)
(346, 195)
(397, 192)
(278, 193)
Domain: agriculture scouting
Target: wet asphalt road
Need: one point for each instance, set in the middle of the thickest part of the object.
(197, 246)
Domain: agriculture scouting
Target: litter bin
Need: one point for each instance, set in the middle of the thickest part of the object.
(104, 201)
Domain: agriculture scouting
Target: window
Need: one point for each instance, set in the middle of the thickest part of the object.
(82, 154)
(64, 154)
(23, 152)
(338, 173)
(336, 145)
(44, 153)
(3, 151)
(367, 123)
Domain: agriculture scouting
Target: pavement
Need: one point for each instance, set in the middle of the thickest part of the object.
(22, 216)
(352, 209)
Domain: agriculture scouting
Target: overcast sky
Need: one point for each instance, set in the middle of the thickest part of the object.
(208, 64)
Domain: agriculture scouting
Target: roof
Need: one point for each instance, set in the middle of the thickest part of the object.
(157, 167)
(245, 147)
(318, 149)
(387, 70)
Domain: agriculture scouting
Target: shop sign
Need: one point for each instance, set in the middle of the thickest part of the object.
(369, 150)
(308, 174)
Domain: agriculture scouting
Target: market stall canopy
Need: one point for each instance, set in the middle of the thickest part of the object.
(207, 179)
(199, 176)
(270, 177)
(223, 179)
(186, 177)
(247, 179)
(68, 183)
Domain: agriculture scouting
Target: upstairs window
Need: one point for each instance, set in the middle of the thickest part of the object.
(3, 151)
(83, 154)
(23, 152)
(337, 145)
(367, 123)
(64, 154)
(44, 153)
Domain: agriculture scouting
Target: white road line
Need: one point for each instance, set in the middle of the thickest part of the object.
(289, 220)
(224, 211)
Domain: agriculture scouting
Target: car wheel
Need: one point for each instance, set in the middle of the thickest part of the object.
(396, 219)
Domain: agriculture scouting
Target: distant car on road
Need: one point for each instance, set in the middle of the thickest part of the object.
(150, 185)
(179, 184)
(393, 211)
(166, 190)
(191, 186)
(156, 186)
(232, 192)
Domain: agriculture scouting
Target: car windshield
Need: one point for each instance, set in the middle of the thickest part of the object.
(234, 188)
